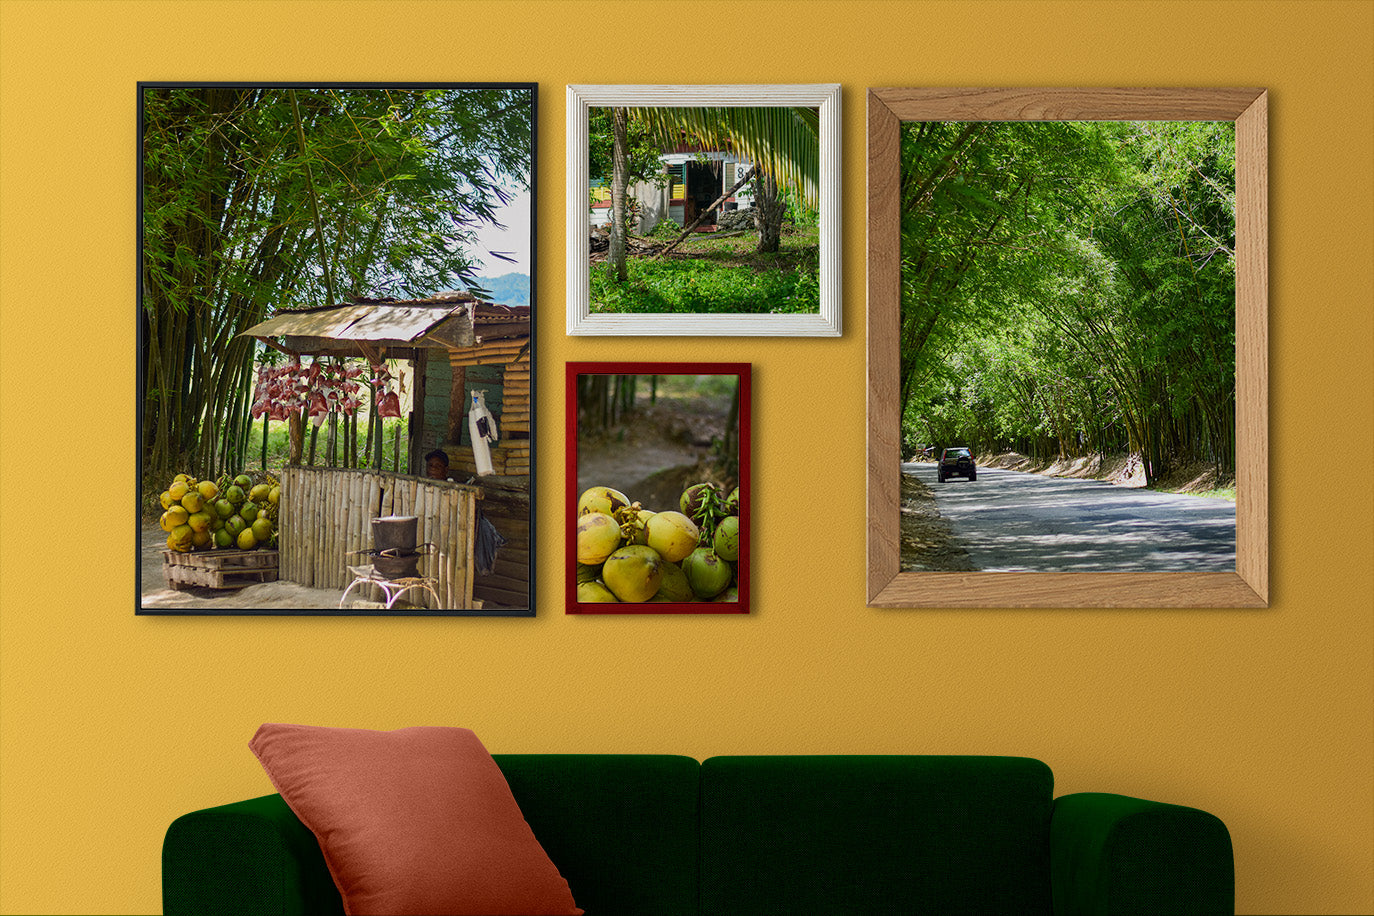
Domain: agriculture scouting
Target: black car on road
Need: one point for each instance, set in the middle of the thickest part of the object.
(956, 462)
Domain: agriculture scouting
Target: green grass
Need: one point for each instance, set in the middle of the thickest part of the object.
(278, 444)
(1227, 493)
(717, 276)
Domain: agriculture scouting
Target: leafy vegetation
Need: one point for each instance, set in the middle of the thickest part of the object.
(716, 276)
(1069, 289)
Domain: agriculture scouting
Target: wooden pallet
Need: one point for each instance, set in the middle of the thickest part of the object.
(219, 568)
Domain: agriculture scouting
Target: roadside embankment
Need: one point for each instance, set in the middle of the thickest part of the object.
(1199, 478)
(927, 541)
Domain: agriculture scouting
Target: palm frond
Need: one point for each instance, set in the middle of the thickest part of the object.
(781, 141)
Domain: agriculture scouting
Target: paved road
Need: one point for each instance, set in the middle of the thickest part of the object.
(1010, 521)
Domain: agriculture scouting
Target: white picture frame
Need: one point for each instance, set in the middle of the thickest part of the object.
(580, 100)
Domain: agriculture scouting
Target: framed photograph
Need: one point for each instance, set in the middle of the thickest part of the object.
(704, 210)
(336, 352)
(658, 488)
(1067, 336)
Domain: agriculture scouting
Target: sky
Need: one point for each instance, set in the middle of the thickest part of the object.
(513, 240)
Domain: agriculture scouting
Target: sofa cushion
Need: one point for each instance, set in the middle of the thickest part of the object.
(622, 828)
(413, 821)
(875, 835)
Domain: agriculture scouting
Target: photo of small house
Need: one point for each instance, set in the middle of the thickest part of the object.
(717, 213)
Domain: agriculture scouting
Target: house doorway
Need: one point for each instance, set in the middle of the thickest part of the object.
(703, 187)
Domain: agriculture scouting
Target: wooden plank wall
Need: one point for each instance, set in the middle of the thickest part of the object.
(326, 513)
(506, 504)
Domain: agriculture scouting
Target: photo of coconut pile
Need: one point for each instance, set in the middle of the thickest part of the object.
(661, 484)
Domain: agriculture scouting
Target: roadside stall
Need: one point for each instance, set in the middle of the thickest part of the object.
(457, 345)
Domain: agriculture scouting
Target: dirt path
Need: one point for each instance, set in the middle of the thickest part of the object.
(266, 596)
(927, 542)
(665, 442)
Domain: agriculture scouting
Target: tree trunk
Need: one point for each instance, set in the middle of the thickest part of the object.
(295, 437)
(768, 212)
(620, 179)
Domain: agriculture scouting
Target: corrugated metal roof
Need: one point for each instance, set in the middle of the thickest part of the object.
(323, 323)
(399, 320)
(396, 322)
(357, 322)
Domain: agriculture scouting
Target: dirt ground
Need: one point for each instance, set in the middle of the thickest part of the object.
(1122, 470)
(653, 458)
(927, 543)
(265, 596)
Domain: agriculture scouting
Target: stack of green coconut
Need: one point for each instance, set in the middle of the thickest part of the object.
(225, 514)
(626, 553)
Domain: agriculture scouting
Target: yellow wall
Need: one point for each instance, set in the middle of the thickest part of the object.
(114, 724)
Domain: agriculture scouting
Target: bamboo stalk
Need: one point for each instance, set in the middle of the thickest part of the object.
(283, 527)
(454, 545)
(310, 522)
(343, 518)
(371, 500)
(321, 548)
(327, 528)
(345, 522)
(304, 570)
(455, 595)
(445, 538)
(462, 581)
(355, 514)
(423, 511)
(283, 514)
(336, 499)
(320, 505)
(302, 525)
(464, 575)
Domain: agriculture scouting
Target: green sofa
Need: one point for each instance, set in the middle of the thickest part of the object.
(646, 835)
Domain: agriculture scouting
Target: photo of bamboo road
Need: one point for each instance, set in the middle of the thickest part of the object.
(1068, 310)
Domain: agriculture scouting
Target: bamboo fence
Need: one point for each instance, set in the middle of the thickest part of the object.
(326, 515)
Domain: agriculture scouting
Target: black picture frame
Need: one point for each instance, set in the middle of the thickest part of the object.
(502, 501)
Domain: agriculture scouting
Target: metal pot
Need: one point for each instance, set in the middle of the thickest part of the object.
(394, 532)
(406, 565)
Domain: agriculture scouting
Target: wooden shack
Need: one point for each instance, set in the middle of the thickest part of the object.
(456, 343)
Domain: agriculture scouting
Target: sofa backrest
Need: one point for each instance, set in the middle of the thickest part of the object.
(786, 836)
(622, 829)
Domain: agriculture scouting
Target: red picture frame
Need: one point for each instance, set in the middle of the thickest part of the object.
(743, 373)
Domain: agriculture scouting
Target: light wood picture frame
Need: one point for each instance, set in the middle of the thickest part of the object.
(1248, 585)
(582, 98)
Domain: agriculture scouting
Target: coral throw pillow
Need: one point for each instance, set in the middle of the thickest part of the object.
(414, 821)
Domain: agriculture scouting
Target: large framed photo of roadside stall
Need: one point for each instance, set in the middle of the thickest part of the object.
(658, 488)
(336, 352)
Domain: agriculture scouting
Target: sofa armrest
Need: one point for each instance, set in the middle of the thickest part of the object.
(1119, 855)
(247, 858)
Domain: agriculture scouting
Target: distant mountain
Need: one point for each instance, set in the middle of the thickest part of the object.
(507, 289)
